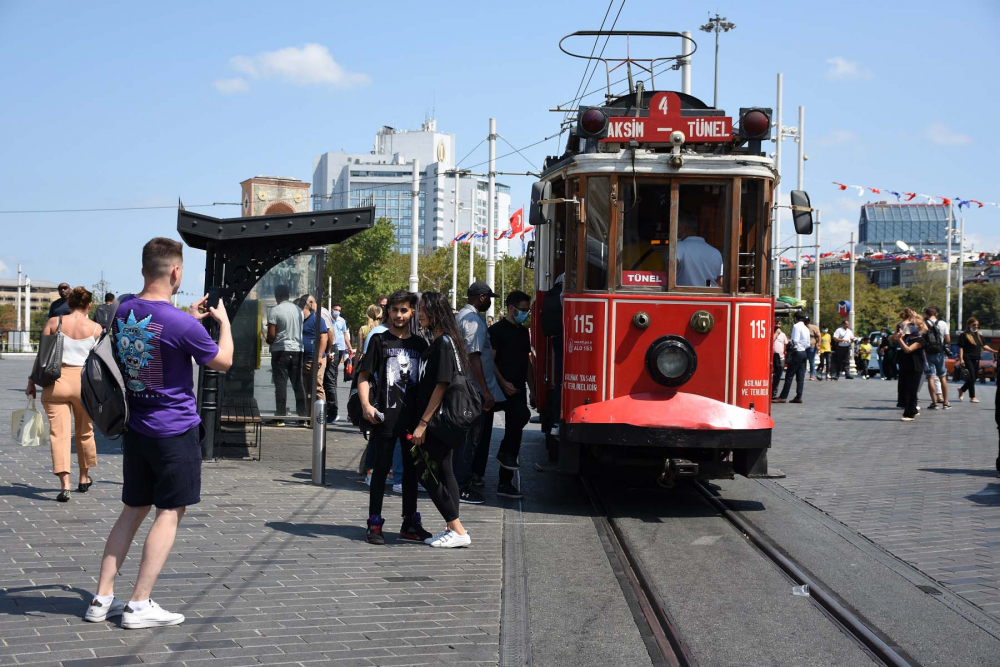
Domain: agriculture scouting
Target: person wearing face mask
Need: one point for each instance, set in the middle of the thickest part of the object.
(512, 365)
(970, 347)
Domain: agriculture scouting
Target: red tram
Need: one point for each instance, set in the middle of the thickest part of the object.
(656, 221)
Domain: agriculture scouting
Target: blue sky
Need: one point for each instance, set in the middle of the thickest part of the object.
(116, 104)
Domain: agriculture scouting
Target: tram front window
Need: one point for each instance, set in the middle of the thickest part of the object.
(701, 229)
(645, 234)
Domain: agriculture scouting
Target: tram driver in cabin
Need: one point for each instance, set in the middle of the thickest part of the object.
(698, 263)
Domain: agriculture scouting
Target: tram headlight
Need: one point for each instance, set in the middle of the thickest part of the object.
(671, 360)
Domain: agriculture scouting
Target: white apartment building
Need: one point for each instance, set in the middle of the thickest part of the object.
(342, 180)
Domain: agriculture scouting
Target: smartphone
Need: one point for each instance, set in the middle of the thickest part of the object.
(213, 297)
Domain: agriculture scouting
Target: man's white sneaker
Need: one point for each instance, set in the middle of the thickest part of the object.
(452, 540)
(98, 612)
(437, 537)
(397, 488)
(152, 616)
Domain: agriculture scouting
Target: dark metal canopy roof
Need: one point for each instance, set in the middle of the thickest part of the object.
(312, 228)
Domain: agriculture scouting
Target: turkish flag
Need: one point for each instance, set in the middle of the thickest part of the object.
(517, 220)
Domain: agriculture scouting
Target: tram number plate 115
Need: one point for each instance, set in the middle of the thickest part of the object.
(583, 324)
(758, 328)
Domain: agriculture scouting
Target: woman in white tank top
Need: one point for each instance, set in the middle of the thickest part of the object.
(61, 400)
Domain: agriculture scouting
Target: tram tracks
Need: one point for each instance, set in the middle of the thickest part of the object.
(664, 641)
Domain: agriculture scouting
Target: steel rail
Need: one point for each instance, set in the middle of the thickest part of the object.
(883, 651)
(666, 640)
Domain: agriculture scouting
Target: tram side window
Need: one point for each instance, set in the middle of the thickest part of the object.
(598, 230)
(645, 208)
(750, 255)
(701, 233)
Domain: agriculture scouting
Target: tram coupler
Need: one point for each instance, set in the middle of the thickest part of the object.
(674, 469)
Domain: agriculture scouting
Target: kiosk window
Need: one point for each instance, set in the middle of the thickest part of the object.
(598, 229)
(701, 233)
(645, 208)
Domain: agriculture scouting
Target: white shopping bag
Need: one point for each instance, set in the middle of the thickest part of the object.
(27, 427)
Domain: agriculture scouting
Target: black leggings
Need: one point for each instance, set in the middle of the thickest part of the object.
(972, 366)
(441, 485)
(383, 446)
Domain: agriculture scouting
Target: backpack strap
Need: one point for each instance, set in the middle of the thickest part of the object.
(454, 350)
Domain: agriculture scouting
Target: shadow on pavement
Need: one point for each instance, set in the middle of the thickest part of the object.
(318, 529)
(990, 496)
(972, 472)
(31, 492)
(14, 605)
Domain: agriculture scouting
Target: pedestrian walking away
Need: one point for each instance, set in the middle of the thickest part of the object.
(105, 313)
(516, 378)
(814, 339)
(843, 339)
(797, 363)
(435, 460)
(938, 339)
(910, 337)
(61, 399)
(310, 351)
(340, 349)
(393, 362)
(161, 463)
(284, 335)
(825, 352)
(970, 347)
(60, 306)
(779, 345)
(473, 457)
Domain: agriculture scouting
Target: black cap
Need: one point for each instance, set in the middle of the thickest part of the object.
(479, 288)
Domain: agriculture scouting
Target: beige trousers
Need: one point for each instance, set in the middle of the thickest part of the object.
(307, 365)
(62, 404)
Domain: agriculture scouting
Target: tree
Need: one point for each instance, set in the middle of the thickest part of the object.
(979, 300)
(362, 269)
(873, 308)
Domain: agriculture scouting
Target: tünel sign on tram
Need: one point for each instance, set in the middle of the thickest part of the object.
(665, 117)
(639, 278)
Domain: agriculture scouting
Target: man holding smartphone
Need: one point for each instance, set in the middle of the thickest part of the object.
(392, 361)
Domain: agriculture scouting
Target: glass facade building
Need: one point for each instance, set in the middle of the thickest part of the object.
(920, 226)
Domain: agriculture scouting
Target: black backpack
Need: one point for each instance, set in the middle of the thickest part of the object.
(102, 388)
(552, 311)
(460, 408)
(933, 340)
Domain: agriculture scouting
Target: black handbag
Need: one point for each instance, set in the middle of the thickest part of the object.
(48, 363)
(460, 409)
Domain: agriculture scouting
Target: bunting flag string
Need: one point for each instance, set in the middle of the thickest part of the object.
(910, 196)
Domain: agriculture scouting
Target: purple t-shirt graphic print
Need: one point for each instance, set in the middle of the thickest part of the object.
(155, 343)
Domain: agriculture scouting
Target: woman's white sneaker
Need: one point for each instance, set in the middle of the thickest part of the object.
(151, 616)
(98, 612)
(452, 540)
(431, 540)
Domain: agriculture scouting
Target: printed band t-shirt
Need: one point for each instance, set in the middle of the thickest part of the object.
(395, 364)
(155, 343)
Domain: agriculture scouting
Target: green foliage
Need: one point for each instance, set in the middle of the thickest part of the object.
(981, 301)
(873, 308)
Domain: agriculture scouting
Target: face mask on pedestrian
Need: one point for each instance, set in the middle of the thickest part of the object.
(521, 316)
(483, 305)
(335, 314)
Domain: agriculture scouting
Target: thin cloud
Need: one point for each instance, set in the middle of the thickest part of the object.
(232, 86)
(309, 65)
(942, 135)
(841, 68)
(837, 137)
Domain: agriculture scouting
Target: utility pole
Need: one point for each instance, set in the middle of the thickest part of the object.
(18, 306)
(717, 25)
(947, 284)
(800, 139)
(454, 250)
(851, 314)
(816, 272)
(685, 68)
(961, 266)
(472, 229)
(415, 227)
(523, 247)
(776, 252)
(490, 217)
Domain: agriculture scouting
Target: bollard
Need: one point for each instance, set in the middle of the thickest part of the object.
(319, 442)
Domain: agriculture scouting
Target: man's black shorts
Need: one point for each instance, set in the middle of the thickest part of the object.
(165, 472)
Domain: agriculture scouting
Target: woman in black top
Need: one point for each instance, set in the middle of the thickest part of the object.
(910, 336)
(438, 367)
(970, 347)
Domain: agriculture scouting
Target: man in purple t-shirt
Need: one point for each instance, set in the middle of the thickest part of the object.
(155, 344)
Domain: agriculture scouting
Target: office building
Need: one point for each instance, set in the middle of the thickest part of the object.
(922, 227)
(43, 293)
(384, 176)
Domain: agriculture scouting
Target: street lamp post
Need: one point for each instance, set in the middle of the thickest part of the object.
(717, 24)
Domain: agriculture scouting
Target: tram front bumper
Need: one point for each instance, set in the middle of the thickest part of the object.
(674, 419)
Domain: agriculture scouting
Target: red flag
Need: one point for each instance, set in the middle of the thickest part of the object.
(517, 220)
(876, 190)
(945, 201)
(909, 195)
(840, 185)
(526, 230)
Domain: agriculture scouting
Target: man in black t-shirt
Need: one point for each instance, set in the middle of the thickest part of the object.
(393, 361)
(512, 363)
(59, 307)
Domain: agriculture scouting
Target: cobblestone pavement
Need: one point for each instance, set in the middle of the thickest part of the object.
(268, 569)
(925, 491)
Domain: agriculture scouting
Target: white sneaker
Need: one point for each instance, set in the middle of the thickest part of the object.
(420, 488)
(98, 612)
(153, 616)
(452, 540)
(368, 478)
(397, 488)
(437, 537)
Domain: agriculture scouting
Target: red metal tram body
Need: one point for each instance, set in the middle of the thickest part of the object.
(657, 372)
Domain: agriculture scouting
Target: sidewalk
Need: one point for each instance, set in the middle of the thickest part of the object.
(268, 569)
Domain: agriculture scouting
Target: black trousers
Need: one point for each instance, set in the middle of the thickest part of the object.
(797, 369)
(778, 364)
(842, 361)
(287, 367)
(972, 367)
(909, 383)
(551, 414)
(517, 414)
(383, 445)
(330, 384)
(441, 485)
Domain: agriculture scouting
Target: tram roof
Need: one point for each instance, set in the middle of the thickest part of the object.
(651, 162)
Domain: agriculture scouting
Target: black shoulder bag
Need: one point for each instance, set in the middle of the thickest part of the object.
(48, 363)
(460, 408)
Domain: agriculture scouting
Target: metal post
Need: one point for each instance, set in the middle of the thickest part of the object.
(454, 251)
(816, 272)
(947, 283)
(208, 379)
(472, 229)
(851, 314)
(26, 338)
(415, 227)
(523, 248)
(329, 291)
(319, 405)
(800, 138)
(685, 66)
(503, 276)
(490, 218)
(961, 270)
(777, 191)
(715, 90)
(17, 307)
